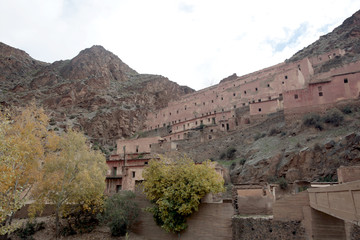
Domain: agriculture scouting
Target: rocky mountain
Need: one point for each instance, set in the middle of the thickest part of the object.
(95, 91)
(346, 36)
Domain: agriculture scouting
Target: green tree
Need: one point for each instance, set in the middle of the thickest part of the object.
(176, 186)
(72, 174)
(120, 212)
(23, 137)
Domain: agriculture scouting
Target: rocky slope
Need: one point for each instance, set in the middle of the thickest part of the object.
(346, 36)
(95, 91)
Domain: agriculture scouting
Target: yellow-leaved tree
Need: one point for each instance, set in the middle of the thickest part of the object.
(73, 174)
(176, 186)
(23, 137)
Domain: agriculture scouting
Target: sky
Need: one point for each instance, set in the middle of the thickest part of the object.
(195, 43)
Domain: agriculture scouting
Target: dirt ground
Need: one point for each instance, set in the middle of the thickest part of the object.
(99, 233)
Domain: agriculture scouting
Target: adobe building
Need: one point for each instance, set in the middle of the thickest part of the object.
(289, 88)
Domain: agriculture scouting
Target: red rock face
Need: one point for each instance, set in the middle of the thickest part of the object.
(95, 91)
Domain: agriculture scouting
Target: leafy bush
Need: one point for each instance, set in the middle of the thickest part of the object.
(311, 120)
(82, 218)
(334, 117)
(242, 161)
(120, 213)
(174, 186)
(222, 155)
(230, 152)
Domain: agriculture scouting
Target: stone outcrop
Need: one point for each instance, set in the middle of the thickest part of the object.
(95, 91)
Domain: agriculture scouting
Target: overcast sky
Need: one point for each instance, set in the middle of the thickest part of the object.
(195, 43)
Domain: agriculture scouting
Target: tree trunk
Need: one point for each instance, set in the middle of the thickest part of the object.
(57, 222)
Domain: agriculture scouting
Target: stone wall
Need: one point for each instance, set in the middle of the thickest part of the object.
(250, 228)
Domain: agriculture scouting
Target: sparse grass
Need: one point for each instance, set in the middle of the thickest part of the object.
(227, 163)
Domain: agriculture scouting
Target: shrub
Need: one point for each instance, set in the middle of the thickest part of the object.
(317, 147)
(311, 120)
(30, 229)
(259, 135)
(120, 213)
(242, 161)
(274, 132)
(82, 218)
(347, 109)
(230, 152)
(233, 165)
(334, 117)
(222, 155)
(282, 183)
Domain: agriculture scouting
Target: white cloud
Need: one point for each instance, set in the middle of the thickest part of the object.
(195, 43)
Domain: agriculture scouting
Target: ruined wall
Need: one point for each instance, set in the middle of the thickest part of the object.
(251, 228)
(252, 200)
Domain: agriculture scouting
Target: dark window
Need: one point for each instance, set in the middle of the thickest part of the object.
(196, 123)
(296, 96)
(222, 125)
(234, 94)
(210, 137)
(114, 171)
(269, 98)
(286, 77)
(195, 104)
(234, 106)
(146, 163)
(346, 80)
(133, 174)
(253, 101)
(256, 89)
(259, 100)
(320, 94)
(212, 101)
(222, 98)
(149, 145)
(118, 188)
(137, 149)
(259, 109)
(243, 104)
(203, 103)
(222, 109)
(268, 85)
(244, 92)
(170, 114)
(282, 82)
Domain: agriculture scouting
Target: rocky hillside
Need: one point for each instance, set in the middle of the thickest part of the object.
(346, 36)
(95, 91)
